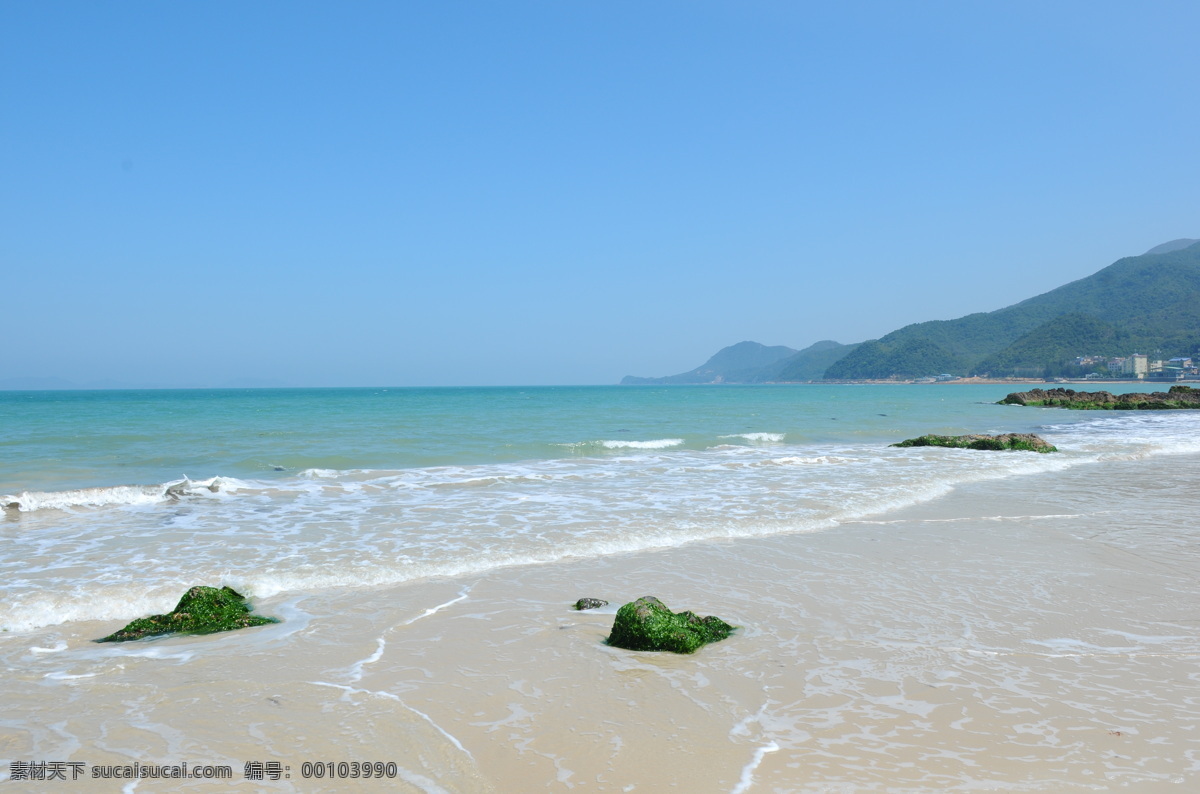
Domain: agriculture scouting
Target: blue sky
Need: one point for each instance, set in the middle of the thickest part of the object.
(456, 193)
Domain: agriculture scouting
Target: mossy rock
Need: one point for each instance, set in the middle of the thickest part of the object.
(590, 603)
(647, 625)
(1179, 397)
(202, 610)
(1025, 442)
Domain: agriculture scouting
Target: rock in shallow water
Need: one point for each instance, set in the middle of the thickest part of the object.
(1027, 442)
(590, 603)
(202, 610)
(1177, 397)
(647, 625)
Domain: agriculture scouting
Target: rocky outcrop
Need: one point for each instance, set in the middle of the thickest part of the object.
(590, 603)
(1026, 442)
(202, 610)
(647, 625)
(1177, 397)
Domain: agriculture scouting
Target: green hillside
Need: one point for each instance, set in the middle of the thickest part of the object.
(809, 364)
(1050, 349)
(739, 363)
(1149, 302)
(1140, 304)
(750, 362)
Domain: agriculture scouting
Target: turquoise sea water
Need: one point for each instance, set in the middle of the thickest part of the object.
(61, 440)
(115, 501)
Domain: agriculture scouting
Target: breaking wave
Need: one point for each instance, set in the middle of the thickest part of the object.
(772, 437)
(657, 443)
(29, 501)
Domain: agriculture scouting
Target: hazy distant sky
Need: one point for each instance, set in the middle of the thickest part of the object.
(426, 193)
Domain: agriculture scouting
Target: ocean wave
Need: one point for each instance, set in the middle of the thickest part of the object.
(657, 443)
(799, 460)
(320, 474)
(328, 529)
(354, 559)
(381, 528)
(30, 501)
(760, 437)
(1130, 435)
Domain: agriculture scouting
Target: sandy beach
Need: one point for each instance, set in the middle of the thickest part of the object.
(371, 338)
(988, 640)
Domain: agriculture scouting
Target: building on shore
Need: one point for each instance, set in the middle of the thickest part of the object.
(1137, 366)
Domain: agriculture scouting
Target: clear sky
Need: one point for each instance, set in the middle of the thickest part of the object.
(454, 193)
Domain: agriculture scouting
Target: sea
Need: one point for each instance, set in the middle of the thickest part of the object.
(909, 619)
(114, 502)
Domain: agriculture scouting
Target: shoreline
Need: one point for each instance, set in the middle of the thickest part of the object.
(991, 382)
(991, 637)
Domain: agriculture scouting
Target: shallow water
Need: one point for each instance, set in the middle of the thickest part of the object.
(999, 638)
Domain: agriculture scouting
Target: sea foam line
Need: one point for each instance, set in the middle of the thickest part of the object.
(434, 610)
(621, 443)
(658, 443)
(747, 778)
(349, 690)
(29, 501)
(355, 671)
(757, 436)
(48, 608)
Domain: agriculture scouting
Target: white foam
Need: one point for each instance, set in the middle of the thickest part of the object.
(800, 460)
(773, 437)
(449, 736)
(349, 690)
(658, 443)
(59, 648)
(29, 501)
(420, 781)
(356, 669)
(363, 529)
(51, 608)
(747, 778)
(462, 595)
(320, 474)
(1131, 435)
(1147, 639)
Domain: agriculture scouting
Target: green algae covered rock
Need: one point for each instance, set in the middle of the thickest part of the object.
(647, 625)
(1178, 397)
(202, 610)
(1026, 442)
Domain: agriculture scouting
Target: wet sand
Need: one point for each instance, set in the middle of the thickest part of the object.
(1033, 634)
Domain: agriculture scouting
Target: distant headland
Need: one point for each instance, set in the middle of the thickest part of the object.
(1134, 320)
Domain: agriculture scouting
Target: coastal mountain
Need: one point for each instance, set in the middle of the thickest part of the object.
(1174, 245)
(1142, 303)
(734, 364)
(751, 362)
(809, 364)
(1054, 343)
(1148, 304)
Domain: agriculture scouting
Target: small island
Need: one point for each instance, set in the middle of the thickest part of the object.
(1179, 397)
